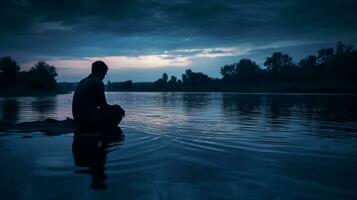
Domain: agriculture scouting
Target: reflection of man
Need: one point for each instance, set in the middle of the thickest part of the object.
(89, 107)
(91, 152)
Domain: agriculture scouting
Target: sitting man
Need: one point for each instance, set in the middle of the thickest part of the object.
(89, 107)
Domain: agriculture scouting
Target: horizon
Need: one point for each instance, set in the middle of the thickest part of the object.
(140, 40)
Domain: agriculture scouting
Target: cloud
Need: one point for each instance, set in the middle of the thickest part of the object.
(168, 33)
(166, 25)
(50, 26)
(173, 58)
(120, 62)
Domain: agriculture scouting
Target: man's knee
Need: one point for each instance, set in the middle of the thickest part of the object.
(118, 110)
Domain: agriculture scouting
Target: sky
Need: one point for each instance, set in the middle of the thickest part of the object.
(141, 39)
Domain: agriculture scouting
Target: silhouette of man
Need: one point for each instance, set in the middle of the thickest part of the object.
(90, 108)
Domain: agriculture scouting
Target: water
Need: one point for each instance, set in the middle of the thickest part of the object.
(188, 146)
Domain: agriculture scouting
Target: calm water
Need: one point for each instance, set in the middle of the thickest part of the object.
(188, 146)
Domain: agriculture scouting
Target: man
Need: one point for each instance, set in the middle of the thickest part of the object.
(89, 107)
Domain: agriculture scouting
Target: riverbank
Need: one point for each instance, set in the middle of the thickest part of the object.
(24, 91)
(269, 87)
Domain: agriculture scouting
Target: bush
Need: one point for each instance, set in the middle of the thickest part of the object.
(42, 76)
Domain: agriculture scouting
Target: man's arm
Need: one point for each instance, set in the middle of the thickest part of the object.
(101, 97)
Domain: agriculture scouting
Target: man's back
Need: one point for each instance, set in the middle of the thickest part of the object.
(88, 98)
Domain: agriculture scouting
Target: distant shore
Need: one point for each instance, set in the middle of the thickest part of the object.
(64, 88)
(248, 88)
(253, 88)
(24, 91)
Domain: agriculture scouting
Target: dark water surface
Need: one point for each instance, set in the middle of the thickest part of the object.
(188, 146)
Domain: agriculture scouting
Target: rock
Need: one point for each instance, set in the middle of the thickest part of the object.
(56, 127)
(48, 126)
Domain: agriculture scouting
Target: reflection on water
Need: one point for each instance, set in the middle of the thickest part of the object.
(9, 110)
(196, 102)
(189, 146)
(243, 106)
(163, 108)
(44, 105)
(91, 152)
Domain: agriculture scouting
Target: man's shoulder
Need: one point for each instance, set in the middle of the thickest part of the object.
(90, 80)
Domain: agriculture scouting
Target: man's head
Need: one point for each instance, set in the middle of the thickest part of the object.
(99, 69)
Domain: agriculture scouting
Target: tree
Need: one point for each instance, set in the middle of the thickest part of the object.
(195, 78)
(247, 70)
(325, 56)
(244, 71)
(9, 70)
(172, 81)
(309, 70)
(281, 66)
(186, 76)
(165, 77)
(42, 76)
(344, 65)
(307, 62)
(161, 82)
(228, 71)
(343, 49)
(278, 62)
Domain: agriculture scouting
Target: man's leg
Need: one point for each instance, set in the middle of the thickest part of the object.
(111, 117)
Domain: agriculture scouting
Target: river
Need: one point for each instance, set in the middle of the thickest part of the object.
(188, 146)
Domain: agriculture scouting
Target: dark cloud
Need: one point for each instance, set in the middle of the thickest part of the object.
(78, 28)
(166, 17)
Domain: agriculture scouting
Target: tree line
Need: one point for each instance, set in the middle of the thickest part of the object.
(327, 65)
(329, 68)
(41, 75)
